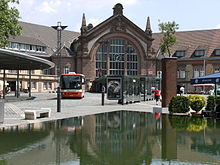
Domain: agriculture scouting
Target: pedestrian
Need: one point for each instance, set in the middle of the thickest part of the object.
(211, 92)
(157, 95)
(182, 90)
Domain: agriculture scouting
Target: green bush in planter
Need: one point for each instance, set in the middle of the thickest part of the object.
(210, 106)
(217, 104)
(196, 102)
(217, 99)
(179, 104)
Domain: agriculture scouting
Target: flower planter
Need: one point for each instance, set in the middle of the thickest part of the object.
(208, 113)
(196, 114)
(181, 114)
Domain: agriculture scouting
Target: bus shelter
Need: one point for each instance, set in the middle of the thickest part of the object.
(12, 60)
(130, 89)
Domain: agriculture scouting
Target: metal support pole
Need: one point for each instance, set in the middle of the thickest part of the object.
(29, 84)
(59, 70)
(215, 89)
(4, 89)
(59, 28)
(18, 88)
(144, 88)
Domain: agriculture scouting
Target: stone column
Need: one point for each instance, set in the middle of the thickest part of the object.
(169, 80)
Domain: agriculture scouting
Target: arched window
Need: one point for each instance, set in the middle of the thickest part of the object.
(116, 57)
(101, 60)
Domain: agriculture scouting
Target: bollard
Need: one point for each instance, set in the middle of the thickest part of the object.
(103, 94)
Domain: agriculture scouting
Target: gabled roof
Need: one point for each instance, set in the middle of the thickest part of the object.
(125, 20)
(209, 40)
(43, 36)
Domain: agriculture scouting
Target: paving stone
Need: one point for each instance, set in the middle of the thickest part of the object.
(91, 104)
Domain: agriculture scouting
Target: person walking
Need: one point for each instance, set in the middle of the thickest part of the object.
(157, 95)
(182, 91)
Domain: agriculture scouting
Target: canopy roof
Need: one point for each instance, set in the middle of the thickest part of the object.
(208, 79)
(15, 60)
(203, 85)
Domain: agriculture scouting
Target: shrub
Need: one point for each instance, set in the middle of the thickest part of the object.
(210, 103)
(194, 124)
(210, 123)
(217, 99)
(196, 102)
(179, 104)
(197, 124)
(179, 122)
(217, 104)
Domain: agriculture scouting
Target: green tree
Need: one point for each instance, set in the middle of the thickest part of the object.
(9, 24)
(168, 30)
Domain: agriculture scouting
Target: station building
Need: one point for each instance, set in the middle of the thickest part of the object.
(114, 47)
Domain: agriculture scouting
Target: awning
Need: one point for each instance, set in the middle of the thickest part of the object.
(208, 79)
(13, 60)
(203, 85)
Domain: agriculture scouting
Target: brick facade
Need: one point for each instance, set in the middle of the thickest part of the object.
(119, 27)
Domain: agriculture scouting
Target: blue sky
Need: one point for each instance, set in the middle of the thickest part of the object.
(189, 14)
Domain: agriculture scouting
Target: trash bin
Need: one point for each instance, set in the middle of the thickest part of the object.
(1, 111)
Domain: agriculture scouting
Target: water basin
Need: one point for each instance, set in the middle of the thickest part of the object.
(115, 138)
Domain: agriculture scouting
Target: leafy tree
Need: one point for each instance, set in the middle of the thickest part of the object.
(9, 24)
(168, 30)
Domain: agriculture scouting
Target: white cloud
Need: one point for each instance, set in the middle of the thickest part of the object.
(218, 26)
(47, 12)
(47, 7)
(51, 6)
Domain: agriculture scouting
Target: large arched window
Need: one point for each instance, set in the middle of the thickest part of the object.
(116, 57)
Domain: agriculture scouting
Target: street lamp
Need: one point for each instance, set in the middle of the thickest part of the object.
(59, 28)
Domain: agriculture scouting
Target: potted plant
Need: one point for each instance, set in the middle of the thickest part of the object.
(179, 104)
(217, 108)
(210, 107)
(196, 102)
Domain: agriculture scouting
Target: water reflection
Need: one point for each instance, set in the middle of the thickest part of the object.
(116, 138)
(198, 135)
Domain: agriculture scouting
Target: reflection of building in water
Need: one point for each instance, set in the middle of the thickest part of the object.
(33, 146)
(115, 138)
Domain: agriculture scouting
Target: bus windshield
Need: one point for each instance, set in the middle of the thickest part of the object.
(70, 82)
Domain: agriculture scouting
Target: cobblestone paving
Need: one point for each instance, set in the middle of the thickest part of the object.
(91, 104)
(11, 111)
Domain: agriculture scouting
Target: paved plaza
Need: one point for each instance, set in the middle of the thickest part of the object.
(91, 104)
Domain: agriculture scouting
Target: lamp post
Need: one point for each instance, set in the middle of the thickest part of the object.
(59, 28)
